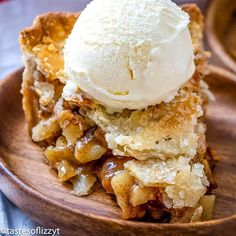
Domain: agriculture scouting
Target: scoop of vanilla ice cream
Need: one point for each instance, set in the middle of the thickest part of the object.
(128, 53)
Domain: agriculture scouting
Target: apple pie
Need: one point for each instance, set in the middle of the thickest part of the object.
(153, 160)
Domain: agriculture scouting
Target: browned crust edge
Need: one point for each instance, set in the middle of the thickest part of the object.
(32, 35)
(194, 12)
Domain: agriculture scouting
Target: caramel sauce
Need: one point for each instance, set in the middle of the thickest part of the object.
(110, 167)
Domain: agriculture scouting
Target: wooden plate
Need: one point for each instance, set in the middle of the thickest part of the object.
(221, 31)
(29, 183)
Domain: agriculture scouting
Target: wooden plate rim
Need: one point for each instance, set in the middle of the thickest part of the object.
(20, 184)
(213, 40)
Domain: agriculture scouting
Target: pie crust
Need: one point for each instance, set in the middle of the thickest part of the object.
(162, 171)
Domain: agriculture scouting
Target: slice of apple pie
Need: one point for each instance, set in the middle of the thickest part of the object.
(153, 160)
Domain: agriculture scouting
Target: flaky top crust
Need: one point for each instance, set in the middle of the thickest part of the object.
(50, 24)
(47, 24)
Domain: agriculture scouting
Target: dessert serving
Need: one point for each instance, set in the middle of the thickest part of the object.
(115, 95)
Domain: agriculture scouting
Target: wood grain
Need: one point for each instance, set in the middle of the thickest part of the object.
(220, 28)
(28, 181)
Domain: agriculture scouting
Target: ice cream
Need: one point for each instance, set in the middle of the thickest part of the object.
(128, 53)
